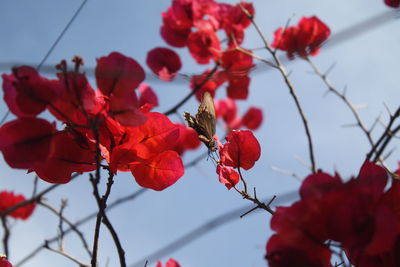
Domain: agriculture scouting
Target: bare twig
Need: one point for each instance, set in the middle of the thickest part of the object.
(73, 227)
(101, 203)
(286, 172)
(266, 61)
(63, 253)
(254, 199)
(60, 225)
(31, 200)
(87, 218)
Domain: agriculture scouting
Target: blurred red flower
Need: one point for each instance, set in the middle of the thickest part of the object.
(393, 3)
(8, 200)
(304, 39)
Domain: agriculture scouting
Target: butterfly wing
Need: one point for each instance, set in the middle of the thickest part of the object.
(204, 121)
(206, 116)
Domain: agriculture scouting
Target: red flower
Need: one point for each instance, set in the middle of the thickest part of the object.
(174, 37)
(69, 152)
(147, 151)
(188, 139)
(9, 199)
(359, 214)
(76, 98)
(393, 3)
(304, 39)
(25, 143)
(238, 88)
(227, 109)
(235, 21)
(227, 176)
(211, 85)
(148, 99)
(204, 45)
(117, 77)
(236, 66)
(241, 150)
(169, 263)
(164, 62)
(299, 252)
(26, 93)
(4, 262)
(253, 118)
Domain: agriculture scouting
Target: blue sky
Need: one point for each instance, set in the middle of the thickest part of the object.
(367, 65)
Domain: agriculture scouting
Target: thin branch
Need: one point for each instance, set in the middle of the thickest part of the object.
(82, 221)
(31, 200)
(241, 176)
(389, 137)
(6, 235)
(266, 61)
(72, 226)
(343, 97)
(60, 225)
(387, 132)
(289, 85)
(63, 253)
(102, 203)
(286, 172)
(193, 92)
(95, 181)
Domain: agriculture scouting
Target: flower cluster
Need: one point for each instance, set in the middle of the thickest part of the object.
(195, 24)
(304, 39)
(9, 200)
(112, 120)
(227, 110)
(359, 214)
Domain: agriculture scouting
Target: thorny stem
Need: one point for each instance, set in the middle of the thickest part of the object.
(384, 134)
(389, 136)
(289, 85)
(245, 195)
(193, 92)
(344, 98)
(356, 115)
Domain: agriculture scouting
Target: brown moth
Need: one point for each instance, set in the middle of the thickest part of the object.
(204, 121)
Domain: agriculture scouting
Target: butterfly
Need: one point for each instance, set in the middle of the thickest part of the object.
(204, 121)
